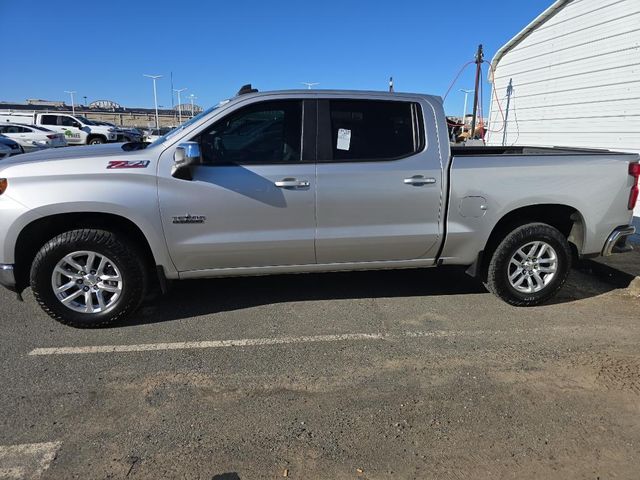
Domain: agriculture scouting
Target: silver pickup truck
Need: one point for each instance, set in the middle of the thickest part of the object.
(303, 181)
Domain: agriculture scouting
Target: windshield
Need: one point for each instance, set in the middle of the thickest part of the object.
(86, 121)
(186, 124)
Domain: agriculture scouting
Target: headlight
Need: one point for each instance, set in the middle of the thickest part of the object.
(111, 129)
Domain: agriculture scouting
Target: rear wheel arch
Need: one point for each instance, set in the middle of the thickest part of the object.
(568, 220)
(37, 233)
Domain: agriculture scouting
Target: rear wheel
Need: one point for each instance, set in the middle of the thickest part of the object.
(88, 278)
(530, 265)
(96, 140)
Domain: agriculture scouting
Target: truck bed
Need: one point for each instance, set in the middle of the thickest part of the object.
(477, 151)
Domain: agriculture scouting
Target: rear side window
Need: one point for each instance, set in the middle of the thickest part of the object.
(371, 130)
(49, 119)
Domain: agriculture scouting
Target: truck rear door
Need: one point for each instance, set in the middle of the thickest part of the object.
(379, 181)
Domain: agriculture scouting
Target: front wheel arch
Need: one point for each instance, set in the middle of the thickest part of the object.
(96, 139)
(34, 235)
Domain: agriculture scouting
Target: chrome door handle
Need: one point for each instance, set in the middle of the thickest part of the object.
(419, 180)
(292, 183)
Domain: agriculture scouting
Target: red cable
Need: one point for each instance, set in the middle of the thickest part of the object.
(495, 94)
(456, 79)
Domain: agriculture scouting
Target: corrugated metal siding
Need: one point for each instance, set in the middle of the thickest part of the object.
(576, 80)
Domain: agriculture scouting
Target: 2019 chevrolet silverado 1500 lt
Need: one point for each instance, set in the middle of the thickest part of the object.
(300, 181)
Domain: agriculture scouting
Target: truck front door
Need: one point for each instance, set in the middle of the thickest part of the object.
(379, 182)
(67, 125)
(251, 202)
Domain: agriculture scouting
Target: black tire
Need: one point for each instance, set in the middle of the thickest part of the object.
(127, 258)
(499, 267)
(95, 141)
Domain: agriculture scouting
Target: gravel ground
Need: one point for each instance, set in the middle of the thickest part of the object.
(450, 384)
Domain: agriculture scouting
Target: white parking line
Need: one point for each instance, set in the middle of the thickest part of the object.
(253, 342)
(26, 461)
(247, 342)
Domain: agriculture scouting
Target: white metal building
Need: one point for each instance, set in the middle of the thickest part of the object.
(575, 73)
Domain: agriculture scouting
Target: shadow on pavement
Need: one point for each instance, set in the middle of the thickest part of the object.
(192, 298)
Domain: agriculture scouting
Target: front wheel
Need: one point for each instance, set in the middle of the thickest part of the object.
(96, 140)
(88, 278)
(530, 265)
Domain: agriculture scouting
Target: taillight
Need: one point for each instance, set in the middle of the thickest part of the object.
(52, 137)
(3, 185)
(634, 171)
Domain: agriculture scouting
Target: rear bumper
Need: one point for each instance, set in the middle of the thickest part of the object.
(7, 277)
(617, 241)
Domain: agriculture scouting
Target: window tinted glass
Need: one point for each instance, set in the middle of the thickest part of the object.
(49, 119)
(263, 133)
(364, 130)
(68, 122)
(14, 129)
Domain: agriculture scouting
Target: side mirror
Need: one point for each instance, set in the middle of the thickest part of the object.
(186, 155)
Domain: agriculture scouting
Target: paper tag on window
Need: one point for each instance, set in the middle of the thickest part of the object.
(344, 139)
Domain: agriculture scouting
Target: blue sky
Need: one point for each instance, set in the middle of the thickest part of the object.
(102, 49)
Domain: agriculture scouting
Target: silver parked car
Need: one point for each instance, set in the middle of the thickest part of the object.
(303, 181)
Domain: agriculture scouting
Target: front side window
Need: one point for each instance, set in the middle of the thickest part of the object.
(372, 130)
(68, 122)
(262, 133)
(49, 119)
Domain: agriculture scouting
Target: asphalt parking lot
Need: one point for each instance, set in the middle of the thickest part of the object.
(406, 374)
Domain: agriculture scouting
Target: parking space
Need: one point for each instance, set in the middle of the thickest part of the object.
(354, 375)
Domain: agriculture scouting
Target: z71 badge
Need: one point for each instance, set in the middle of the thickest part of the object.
(128, 164)
(189, 219)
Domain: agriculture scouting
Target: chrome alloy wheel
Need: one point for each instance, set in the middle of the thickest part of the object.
(532, 267)
(87, 282)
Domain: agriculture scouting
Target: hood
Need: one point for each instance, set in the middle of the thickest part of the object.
(65, 153)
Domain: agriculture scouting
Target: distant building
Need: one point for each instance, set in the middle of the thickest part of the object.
(45, 103)
(575, 73)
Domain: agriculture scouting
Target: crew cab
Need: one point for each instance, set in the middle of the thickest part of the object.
(303, 181)
(77, 130)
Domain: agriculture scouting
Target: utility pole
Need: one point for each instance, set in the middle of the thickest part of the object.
(178, 91)
(479, 60)
(155, 94)
(73, 105)
(85, 100)
(464, 112)
(506, 112)
(391, 84)
(172, 104)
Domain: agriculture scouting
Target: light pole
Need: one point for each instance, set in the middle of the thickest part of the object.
(464, 114)
(73, 105)
(192, 97)
(155, 95)
(310, 84)
(178, 91)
